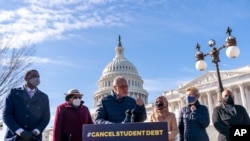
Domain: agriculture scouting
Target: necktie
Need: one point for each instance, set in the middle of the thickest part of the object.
(30, 94)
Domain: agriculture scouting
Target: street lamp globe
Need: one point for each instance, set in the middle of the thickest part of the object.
(201, 65)
(232, 51)
(211, 43)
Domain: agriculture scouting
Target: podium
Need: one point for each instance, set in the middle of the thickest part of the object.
(146, 131)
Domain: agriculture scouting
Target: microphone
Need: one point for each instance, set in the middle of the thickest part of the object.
(128, 116)
(192, 108)
(132, 119)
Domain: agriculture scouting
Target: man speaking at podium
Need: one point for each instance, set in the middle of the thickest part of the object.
(118, 107)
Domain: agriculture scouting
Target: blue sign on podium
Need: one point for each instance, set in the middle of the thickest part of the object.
(146, 131)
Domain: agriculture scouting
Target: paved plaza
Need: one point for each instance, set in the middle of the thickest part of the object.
(212, 133)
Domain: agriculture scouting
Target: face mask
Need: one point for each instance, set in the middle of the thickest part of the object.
(34, 81)
(229, 100)
(159, 105)
(76, 102)
(190, 99)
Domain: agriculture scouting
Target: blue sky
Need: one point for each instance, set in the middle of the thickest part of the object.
(76, 39)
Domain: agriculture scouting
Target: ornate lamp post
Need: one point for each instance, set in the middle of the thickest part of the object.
(232, 51)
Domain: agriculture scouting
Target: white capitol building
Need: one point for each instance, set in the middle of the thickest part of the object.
(120, 66)
(238, 80)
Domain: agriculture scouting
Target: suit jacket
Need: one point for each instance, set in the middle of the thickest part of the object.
(223, 119)
(21, 111)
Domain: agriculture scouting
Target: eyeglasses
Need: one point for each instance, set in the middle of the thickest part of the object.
(77, 97)
(123, 86)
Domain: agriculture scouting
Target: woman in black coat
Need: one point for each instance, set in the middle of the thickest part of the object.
(193, 118)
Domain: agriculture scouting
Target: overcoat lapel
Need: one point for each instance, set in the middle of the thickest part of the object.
(23, 94)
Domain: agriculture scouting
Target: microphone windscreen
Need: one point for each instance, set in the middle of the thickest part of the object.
(128, 111)
(133, 111)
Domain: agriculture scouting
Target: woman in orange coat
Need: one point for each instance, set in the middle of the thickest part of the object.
(161, 114)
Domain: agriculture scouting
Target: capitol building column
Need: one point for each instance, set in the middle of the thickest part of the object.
(247, 91)
(182, 103)
(171, 107)
(242, 95)
(218, 98)
(237, 96)
(210, 105)
(179, 104)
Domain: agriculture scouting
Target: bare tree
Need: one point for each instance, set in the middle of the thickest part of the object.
(13, 61)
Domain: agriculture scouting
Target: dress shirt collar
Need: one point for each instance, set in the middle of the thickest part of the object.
(28, 89)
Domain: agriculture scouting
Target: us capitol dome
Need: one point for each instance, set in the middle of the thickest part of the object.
(120, 66)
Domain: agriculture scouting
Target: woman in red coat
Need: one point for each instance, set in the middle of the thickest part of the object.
(70, 117)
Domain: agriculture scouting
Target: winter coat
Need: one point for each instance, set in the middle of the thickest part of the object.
(21, 111)
(222, 119)
(69, 122)
(163, 115)
(112, 110)
(192, 125)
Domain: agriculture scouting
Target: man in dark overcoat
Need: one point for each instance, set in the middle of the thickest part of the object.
(26, 111)
(228, 113)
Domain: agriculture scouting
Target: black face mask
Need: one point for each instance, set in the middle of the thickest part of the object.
(229, 100)
(159, 105)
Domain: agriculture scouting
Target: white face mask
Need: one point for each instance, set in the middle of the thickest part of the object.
(34, 81)
(76, 102)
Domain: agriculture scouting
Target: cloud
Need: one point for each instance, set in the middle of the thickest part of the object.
(40, 61)
(42, 20)
(6, 15)
(34, 59)
(50, 3)
(59, 62)
(38, 20)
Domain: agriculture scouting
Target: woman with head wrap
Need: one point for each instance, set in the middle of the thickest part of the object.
(161, 114)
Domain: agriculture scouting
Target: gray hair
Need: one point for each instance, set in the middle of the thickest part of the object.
(193, 90)
(118, 79)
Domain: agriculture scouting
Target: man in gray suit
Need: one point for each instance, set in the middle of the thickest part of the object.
(26, 110)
